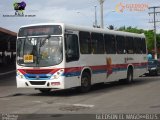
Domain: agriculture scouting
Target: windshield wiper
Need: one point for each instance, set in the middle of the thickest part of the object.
(26, 37)
(44, 41)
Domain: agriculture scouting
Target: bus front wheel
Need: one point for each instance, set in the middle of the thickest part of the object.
(44, 90)
(85, 82)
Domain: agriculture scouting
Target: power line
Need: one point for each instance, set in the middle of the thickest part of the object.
(154, 8)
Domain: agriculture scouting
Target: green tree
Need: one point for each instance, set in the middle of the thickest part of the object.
(150, 40)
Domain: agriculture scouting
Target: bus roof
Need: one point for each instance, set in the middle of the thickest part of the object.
(91, 29)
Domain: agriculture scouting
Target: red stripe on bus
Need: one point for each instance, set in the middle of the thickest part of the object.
(73, 69)
(38, 71)
(78, 69)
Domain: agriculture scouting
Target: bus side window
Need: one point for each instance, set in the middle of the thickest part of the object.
(71, 47)
(97, 43)
(137, 45)
(120, 44)
(110, 44)
(129, 45)
(85, 42)
(143, 46)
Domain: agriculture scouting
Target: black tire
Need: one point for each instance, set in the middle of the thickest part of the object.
(85, 83)
(44, 90)
(129, 76)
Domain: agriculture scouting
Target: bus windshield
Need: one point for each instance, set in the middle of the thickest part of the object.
(39, 51)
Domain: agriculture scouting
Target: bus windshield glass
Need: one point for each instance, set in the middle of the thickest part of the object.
(40, 30)
(39, 51)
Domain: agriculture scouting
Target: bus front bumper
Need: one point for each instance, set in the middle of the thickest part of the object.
(54, 84)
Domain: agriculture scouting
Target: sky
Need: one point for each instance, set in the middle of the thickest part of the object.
(80, 12)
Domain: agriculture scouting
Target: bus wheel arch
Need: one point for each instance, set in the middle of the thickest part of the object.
(85, 80)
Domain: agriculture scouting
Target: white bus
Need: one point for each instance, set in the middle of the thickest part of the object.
(61, 56)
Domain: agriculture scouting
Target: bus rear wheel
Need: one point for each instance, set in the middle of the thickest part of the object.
(129, 76)
(85, 83)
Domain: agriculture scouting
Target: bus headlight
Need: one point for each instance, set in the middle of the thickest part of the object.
(20, 75)
(57, 74)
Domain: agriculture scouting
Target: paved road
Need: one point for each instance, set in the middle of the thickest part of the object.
(142, 96)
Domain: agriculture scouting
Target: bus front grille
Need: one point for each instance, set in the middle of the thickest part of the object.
(37, 82)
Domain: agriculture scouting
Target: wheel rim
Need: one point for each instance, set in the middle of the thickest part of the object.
(85, 82)
(130, 77)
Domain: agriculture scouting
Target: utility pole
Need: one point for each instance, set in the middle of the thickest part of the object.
(95, 24)
(101, 5)
(154, 21)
